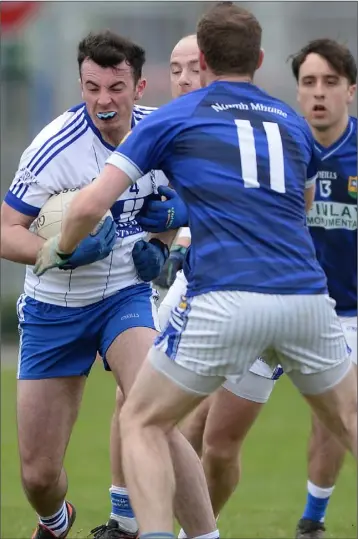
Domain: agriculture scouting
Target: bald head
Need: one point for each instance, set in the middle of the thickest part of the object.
(184, 66)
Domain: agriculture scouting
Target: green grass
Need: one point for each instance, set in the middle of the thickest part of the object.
(267, 504)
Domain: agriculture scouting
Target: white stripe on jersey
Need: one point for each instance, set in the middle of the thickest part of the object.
(68, 134)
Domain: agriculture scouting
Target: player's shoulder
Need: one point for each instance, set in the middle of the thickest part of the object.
(58, 135)
(140, 112)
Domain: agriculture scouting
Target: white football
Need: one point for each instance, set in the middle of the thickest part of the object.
(49, 221)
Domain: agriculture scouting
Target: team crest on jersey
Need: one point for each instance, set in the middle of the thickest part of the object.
(25, 176)
(352, 186)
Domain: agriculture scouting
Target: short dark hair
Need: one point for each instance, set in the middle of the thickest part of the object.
(108, 49)
(230, 39)
(338, 56)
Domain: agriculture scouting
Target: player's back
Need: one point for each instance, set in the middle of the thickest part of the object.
(252, 156)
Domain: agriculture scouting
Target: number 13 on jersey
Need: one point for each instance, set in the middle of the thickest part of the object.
(246, 139)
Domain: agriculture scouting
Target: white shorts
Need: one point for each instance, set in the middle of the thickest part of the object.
(257, 384)
(349, 326)
(221, 333)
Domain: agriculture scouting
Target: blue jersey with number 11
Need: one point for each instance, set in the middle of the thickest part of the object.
(240, 159)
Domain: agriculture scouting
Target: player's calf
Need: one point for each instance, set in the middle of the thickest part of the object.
(193, 425)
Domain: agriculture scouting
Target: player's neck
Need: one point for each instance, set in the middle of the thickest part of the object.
(229, 78)
(331, 135)
(115, 137)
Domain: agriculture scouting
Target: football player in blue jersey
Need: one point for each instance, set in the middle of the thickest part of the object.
(255, 286)
(326, 74)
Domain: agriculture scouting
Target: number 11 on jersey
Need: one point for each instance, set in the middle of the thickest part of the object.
(246, 139)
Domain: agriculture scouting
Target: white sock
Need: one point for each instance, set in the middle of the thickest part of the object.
(57, 523)
(319, 492)
(121, 509)
(212, 535)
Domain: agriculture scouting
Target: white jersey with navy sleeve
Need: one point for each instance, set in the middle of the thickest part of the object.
(69, 153)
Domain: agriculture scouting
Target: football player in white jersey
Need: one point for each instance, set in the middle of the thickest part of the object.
(102, 300)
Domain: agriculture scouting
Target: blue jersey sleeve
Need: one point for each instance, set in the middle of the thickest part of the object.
(147, 146)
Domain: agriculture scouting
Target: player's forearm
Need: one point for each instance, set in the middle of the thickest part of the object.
(183, 238)
(166, 237)
(19, 244)
(89, 206)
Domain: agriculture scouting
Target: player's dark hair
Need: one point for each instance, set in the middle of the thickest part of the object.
(108, 49)
(229, 36)
(338, 56)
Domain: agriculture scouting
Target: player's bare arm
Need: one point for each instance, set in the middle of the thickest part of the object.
(90, 205)
(18, 244)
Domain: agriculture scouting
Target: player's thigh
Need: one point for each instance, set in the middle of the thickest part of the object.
(172, 299)
(156, 400)
(349, 327)
(46, 412)
(55, 341)
(229, 420)
(311, 345)
(216, 334)
(129, 329)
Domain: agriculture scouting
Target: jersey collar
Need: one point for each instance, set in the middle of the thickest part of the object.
(327, 152)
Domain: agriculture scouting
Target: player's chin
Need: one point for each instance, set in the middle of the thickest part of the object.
(319, 123)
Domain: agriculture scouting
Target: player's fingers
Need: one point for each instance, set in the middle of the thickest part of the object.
(138, 247)
(168, 192)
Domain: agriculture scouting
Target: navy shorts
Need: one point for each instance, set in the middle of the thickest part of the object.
(60, 341)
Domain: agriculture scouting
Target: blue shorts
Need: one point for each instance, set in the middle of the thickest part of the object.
(60, 341)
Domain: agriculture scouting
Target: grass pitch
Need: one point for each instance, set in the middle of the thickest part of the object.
(267, 504)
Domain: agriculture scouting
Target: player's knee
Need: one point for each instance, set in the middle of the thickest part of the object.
(221, 451)
(38, 476)
(119, 401)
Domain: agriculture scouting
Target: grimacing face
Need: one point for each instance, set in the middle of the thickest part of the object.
(323, 95)
(109, 94)
(184, 67)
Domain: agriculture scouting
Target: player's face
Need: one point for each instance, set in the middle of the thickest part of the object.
(323, 95)
(110, 94)
(184, 67)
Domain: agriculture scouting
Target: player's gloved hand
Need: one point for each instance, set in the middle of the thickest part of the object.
(172, 266)
(162, 215)
(50, 256)
(149, 258)
(95, 247)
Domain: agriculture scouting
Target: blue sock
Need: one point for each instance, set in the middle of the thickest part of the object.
(122, 510)
(317, 502)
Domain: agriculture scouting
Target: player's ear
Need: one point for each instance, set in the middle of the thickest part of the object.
(141, 85)
(261, 58)
(351, 93)
(81, 85)
(202, 62)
